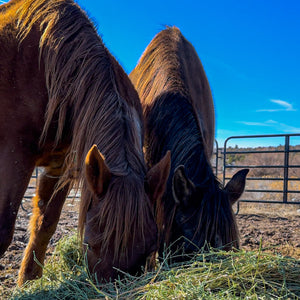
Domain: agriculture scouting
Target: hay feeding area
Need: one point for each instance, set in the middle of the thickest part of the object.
(213, 275)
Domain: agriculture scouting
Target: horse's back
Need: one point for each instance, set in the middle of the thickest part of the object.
(199, 91)
(23, 94)
(8, 12)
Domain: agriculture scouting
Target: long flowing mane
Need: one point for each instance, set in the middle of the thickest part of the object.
(178, 110)
(91, 101)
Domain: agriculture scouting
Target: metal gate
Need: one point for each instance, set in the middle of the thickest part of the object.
(30, 192)
(282, 185)
(277, 182)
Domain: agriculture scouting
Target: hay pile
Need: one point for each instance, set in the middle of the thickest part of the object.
(214, 275)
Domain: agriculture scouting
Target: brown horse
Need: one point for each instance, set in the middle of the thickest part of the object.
(179, 115)
(63, 96)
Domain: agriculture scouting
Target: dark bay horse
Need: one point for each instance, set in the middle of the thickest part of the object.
(67, 105)
(179, 116)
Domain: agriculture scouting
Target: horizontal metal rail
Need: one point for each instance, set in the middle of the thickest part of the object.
(263, 201)
(222, 155)
(285, 167)
(261, 166)
(267, 179)
(271, 191)
(30, 192)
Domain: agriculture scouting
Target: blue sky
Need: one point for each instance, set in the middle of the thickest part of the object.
(249, 49)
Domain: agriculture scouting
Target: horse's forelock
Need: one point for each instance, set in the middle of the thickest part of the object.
(216, 216)
(124, 221)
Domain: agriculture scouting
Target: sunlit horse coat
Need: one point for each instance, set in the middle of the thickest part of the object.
(67, 105)
(179, 116)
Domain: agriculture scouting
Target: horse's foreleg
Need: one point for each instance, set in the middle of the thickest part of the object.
(47, 206)
(15, 170)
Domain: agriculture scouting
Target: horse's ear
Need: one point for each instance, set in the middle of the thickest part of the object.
(97, 173)
(235, 187)
(157, 177)
(182, 186)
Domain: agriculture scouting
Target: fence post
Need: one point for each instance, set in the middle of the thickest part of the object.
(217, 157)
(286, 169)
(224, 160)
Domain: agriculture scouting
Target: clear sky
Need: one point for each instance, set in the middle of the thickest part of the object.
(249, 49)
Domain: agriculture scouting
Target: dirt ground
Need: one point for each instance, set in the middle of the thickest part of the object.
(276, 230)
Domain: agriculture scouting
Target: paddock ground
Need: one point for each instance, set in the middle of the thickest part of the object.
(274, 228)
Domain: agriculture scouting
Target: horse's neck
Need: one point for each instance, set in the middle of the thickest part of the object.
(173, 123)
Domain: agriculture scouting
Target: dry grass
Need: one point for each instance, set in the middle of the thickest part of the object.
(269, 209)
(214, 275)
